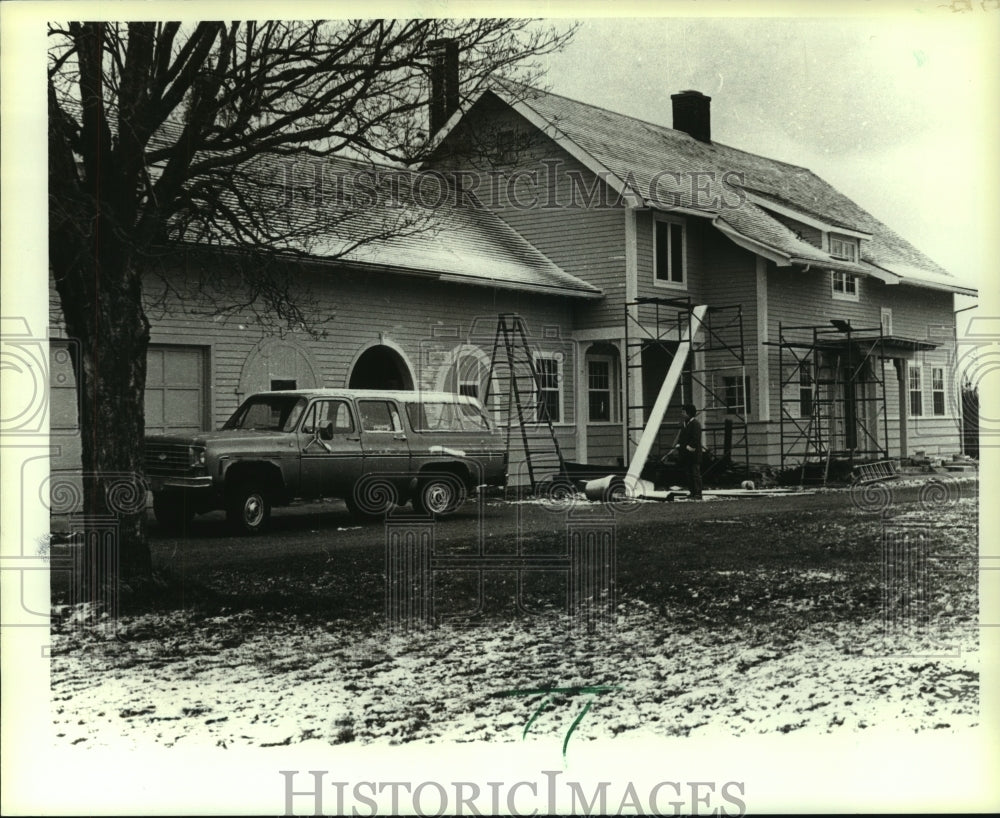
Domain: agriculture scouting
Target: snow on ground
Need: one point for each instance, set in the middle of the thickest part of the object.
(248, 678)
(275, 688)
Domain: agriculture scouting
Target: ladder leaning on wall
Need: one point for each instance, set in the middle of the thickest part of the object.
(514, 385)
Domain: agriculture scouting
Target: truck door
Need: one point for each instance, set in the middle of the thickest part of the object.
(330, 446)
(384, 446)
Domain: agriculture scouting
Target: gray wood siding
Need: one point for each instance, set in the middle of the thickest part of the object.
(729, 279)
(696, 256)
(604, 444)
(426, 320)
(587, 241)
(804, 298)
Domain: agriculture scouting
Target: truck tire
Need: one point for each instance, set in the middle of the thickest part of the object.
(172, 513)
(248, 509)
(439, 495)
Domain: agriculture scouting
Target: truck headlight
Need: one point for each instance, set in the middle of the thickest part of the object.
(196, 456)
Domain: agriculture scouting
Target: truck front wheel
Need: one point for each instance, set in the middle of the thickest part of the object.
(247, 509)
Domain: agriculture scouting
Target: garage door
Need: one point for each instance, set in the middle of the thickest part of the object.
(175, 390)
(175, 397)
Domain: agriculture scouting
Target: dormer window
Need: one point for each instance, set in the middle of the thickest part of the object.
(844, 248)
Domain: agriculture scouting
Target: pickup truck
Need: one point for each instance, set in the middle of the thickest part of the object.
(373, 449)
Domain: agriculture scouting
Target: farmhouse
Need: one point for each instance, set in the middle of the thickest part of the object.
(826, 333)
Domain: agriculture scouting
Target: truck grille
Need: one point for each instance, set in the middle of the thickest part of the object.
(166, 459)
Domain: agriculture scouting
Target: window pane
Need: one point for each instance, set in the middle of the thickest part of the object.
(375, 416)
(548, 372)
(599, 386)
(939, 403)
(547, 401)
(676, 252)
(342, 420)
(309, 425)
(597, 372)
(937, 378)
(599, 407)
(805, 403)
(662, 251)
(548, 405)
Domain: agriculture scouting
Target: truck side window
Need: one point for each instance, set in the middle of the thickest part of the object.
(397, 422)
(375, 416)
(329, 410)
(309, 424)
(343, 423)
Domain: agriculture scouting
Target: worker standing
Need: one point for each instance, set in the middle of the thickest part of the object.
(689, 446)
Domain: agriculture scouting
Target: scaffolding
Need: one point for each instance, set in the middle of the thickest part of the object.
(832, 396)
(715, 378)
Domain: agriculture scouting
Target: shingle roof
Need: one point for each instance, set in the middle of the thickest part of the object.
(334, 209)
(636, 151)
(455, 243)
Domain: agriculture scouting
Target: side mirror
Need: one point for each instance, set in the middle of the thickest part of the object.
(326, 430)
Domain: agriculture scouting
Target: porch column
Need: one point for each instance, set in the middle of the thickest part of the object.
(904, 403)
(631, 293)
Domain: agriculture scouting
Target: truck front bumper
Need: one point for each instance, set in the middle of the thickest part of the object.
(202, 482)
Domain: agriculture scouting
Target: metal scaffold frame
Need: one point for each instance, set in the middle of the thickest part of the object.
(832, 395)
(662, 323)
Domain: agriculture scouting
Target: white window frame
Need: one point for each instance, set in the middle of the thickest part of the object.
(670, 283)
(806, 387)
(461, 374)
(612, 390)
(844, 248)
(936, 390)
(912, 368)
(560, 383)
(742, 385)
(794, 389)
(885, 319)
(844, 279)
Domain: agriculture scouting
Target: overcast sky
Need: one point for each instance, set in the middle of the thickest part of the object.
(898, 112)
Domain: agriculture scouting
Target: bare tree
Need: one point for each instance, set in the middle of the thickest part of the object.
(160, 133)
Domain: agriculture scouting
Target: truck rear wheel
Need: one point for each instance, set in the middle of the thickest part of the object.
(439, 495)
(248, 509)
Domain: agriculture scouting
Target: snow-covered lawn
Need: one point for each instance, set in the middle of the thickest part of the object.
(696, 649)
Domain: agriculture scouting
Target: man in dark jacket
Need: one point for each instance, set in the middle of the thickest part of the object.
(689, 445)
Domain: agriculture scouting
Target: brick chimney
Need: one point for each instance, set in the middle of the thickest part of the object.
(693, 114)
(444, 82)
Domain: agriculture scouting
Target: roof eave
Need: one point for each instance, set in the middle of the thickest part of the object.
(754, 246)
(943, 286)
(805, 218)
(458, 278)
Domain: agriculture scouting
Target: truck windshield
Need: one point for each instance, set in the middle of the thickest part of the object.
(269, 413)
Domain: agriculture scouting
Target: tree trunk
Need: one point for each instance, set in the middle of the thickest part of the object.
(111, 333)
